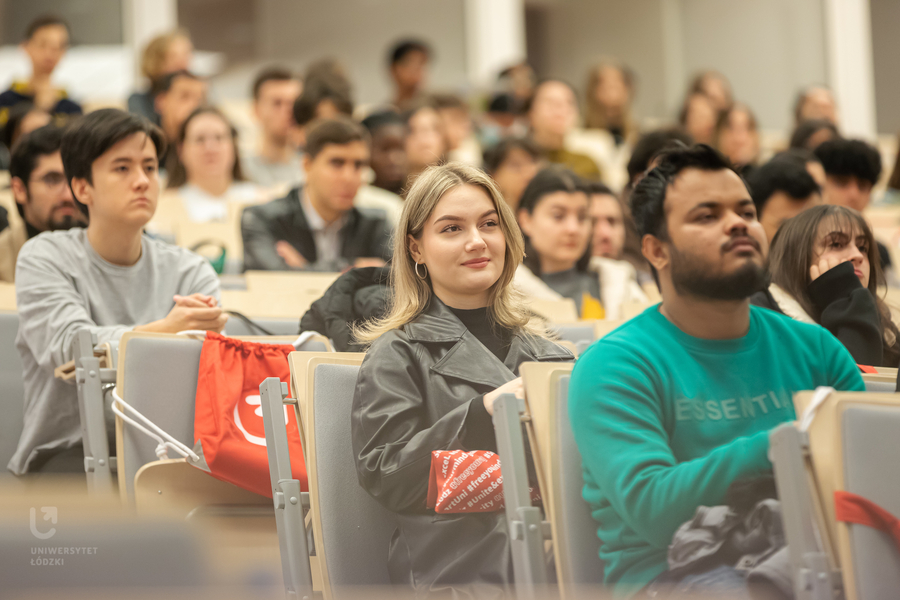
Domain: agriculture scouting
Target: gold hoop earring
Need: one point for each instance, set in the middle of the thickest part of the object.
(422, 277)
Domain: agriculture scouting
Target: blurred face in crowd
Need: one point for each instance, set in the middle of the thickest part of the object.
(125, 184)
(46, 48)
(178, 55)
(780, 207)
(425, 144)
(716, 247)
(554, 110)
(700, 119)
(514, 173)
(738, 139)
(35, 119)
(457, 125)
(717, 90)
(608, 237)
(46, 197)
(559, 229)
(462, 246)
(174, 106)
(410, 72)
(208, 149)
(612, 91)
(335, 174)
(389, 157)
(818, 103)
(274, 107)
(837, 243)
(847, 190)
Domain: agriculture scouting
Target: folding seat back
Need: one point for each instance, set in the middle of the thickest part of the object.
(868, 468)
(558, 465)
(847, 447)
(238, 327)
(575, 536)
(352, 531)
(157, 376)
(12, 389)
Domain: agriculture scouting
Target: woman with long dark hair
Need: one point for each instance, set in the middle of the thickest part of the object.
(554, 214)
(826, 270)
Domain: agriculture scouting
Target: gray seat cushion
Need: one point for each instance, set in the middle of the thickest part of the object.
(12, 390)
(356, 529)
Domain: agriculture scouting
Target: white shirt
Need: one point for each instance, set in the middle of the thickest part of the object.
(203, 207)
(327, 236)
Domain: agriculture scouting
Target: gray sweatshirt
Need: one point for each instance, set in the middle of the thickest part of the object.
(64, 286)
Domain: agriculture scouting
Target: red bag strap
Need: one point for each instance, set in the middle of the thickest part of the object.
(852, 508)
(868, 370)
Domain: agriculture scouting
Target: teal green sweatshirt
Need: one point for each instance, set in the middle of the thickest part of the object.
(665, 422)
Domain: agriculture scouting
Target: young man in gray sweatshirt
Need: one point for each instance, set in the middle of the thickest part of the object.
(108, 278)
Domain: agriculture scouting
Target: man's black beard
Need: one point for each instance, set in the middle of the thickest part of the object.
(694, 279)
(67, 222)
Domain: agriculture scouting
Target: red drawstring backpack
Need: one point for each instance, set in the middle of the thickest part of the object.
(228, 426)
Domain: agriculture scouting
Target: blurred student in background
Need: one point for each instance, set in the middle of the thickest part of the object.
(44, 201)
(610, 92)
(737, 137)
(166, 53)
(698, 118)
(552, 115)
(316, 226)
(179, 94)
(782, 189)
(462, 146)
(388, 163)
(276, 161)
(512, 163)
(46, 42)
(714, 86)
(408, 61)
(208, 174)
(426, 140)
(809, 134)
(815, 102)
(23, 118)
(554, 215)
(852, 168)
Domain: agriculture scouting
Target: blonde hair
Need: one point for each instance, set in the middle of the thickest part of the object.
(409, 295)
(154, 56)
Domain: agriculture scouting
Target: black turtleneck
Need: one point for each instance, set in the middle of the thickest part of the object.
(492, 336)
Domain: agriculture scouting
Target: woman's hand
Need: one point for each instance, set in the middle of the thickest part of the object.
(510, 387)
(824, 265)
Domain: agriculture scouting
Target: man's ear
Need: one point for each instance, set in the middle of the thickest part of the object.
(307, 162)
(159, 103)
(20, 190)
(655, 251)
(83, 191)
(415, 248)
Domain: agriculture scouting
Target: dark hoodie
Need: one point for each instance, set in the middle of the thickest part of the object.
(356, 296)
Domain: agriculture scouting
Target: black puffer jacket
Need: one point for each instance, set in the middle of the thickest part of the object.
(356, 296)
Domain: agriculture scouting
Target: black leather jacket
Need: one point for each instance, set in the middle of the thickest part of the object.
(366, 234)
(420, 389)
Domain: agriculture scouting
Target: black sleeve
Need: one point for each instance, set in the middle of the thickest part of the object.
(4, 219)
(849, 312)
(392, 438)
(259, 243)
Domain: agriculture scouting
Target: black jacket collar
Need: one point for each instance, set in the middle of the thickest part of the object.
(468, 359)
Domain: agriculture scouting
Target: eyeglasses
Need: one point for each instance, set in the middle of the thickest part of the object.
(52, 179)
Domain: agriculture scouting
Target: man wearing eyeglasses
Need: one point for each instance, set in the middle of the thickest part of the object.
(43, 198)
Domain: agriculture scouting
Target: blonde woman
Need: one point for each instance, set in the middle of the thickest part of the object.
(450, 345)
(166, 53)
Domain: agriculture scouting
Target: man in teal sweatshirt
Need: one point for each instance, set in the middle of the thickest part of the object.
(677, 404)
